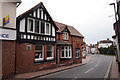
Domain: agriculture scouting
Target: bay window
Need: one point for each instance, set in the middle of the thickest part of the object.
(50, 52)
(47, 28)
(66, 52)
(42, 27)
(36, 26)
(39, 51)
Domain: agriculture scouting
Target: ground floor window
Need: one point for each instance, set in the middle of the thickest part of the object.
(77, 52)
(66, 52)
(50, 52)
(39, 52)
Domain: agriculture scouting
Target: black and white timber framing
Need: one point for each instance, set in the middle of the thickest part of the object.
(36, 26)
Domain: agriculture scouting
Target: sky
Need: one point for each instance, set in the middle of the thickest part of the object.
(89, 17)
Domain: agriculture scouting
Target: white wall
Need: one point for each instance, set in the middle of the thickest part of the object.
(9, 8)
(53, 31)
(104, 45)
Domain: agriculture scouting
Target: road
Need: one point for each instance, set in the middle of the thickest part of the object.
(96, 68)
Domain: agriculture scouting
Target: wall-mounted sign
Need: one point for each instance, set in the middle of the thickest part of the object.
(7, 34)
(6, 20)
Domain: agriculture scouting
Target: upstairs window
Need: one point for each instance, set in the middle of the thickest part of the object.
(36, 26)
(30, 25)
(65, 35)
(42, 27)
(47, 28)
(39, 52)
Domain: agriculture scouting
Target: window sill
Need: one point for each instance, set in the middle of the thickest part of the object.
(65, 58)
(44, 61)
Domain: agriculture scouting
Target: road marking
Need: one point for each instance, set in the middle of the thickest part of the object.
(74, 78)
(108, 70)
(89, 70)
(96, 65)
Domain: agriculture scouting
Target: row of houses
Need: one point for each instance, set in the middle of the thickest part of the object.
(116, 36)
(100, 44)
(34, 41)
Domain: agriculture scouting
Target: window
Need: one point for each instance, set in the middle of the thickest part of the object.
(66, 52)
(36, 26)
(31, 25)
(47, 28)
(50, 52)
(77, 53)
(65, 36)
(39, 52)
(43, 27)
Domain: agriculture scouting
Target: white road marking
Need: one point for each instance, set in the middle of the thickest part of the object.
(89, 70)
(74, 78)
(96, 65)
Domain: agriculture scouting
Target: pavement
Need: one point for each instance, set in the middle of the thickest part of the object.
(33, 75)
(114, 73)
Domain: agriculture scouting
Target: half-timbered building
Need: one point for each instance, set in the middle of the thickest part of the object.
(69, 42)
(36, 38)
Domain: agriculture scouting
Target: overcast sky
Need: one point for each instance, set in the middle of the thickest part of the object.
(89, 17)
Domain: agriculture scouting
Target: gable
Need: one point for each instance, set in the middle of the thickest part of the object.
(38, 12)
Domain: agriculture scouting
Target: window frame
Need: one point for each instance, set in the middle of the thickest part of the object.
(49, 58)
(46, 28)
(77, 53)
(69, 55)
(65, 35)
(40, 59)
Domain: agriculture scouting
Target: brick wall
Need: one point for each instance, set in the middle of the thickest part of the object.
(25, 59)
(8, 58)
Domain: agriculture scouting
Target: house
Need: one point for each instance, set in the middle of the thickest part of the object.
(68, 44)
(105, 43)
(94, 48)
(116, 37)
(7, 36)
(36, 40)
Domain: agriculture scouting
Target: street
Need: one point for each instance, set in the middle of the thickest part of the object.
(97, 68)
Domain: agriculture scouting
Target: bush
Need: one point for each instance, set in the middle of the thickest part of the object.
(108, 51)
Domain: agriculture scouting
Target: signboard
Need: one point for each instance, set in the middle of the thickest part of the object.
(6, 20)
(7, 34)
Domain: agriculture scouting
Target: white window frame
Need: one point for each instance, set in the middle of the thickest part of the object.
(49, 58)
(38, 59)
(39, 27)
(65, 52)
(77, 53)
(65, 35)
(46, 29)
(28, 28)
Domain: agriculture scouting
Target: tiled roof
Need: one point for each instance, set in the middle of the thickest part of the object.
(72, 30)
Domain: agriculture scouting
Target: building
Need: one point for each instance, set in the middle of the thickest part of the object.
(94, 48)
(36, 40)
(69, 42)
(7, 36)
(105, 43)
(116, 37)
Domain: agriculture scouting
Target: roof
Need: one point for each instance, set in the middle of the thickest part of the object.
(71, 29)
(106, 41)
(40, 5)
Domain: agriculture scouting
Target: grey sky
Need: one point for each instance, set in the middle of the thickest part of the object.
(89, 17)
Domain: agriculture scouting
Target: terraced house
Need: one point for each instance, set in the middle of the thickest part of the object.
(69, 42)
(40, 42)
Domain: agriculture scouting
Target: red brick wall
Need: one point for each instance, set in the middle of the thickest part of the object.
(25, 59)
(8, 58)
(76, 41)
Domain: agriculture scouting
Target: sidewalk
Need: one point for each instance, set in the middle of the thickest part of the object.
(33, 75)
(114, 74)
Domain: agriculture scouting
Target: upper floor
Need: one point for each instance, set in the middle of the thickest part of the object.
(36, 25)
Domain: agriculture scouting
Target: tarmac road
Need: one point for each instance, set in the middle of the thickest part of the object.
(97, 68)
